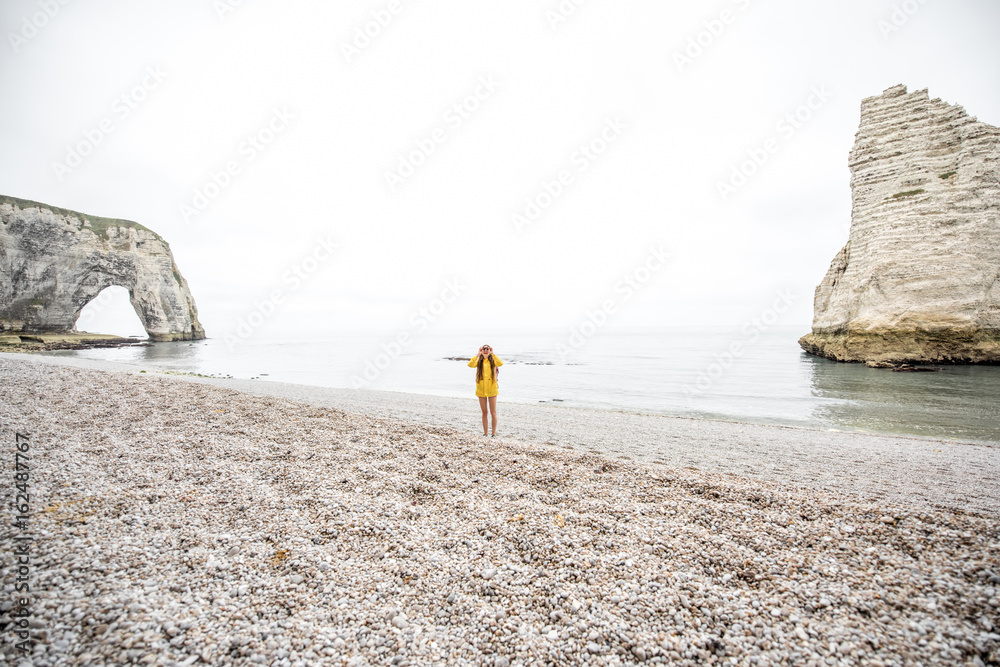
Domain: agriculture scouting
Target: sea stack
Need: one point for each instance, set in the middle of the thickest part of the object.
(919, 278)
(54, 261)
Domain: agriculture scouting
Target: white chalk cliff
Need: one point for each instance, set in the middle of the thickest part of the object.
(54, 261)
(919, 278)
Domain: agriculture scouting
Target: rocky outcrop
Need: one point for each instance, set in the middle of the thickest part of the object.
(54, 261)
(919, 278)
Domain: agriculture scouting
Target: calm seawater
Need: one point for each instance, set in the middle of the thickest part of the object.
(685, 372)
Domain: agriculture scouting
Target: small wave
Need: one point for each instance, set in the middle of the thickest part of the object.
(508, 360)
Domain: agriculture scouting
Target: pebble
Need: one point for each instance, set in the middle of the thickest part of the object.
(265, 539)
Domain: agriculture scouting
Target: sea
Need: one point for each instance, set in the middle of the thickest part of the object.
(722, 373)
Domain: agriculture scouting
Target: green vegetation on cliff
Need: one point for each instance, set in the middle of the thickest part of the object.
(97, 224)
(908, 193)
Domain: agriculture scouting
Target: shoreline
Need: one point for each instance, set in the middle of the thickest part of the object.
(920, 471)
(304, 391)
(199, 525)
(14, 342)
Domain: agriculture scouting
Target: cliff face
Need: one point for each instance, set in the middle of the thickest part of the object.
(54, 261)
(919, 279)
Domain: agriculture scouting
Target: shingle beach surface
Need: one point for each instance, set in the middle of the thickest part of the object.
(184, 523)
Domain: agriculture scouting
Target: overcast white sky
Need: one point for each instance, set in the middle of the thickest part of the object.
(341, 118)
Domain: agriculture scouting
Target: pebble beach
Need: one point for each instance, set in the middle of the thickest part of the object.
(180, 522)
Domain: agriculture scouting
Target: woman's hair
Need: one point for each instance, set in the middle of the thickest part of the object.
(479, 368)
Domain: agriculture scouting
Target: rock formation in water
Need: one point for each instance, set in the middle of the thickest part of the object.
(54, 261)
(919, 278)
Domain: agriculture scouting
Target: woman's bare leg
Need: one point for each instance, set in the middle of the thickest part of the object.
(493, 411)
(482, 405)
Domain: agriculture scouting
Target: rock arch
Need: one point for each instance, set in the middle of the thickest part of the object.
(110, 312)
(53, 262)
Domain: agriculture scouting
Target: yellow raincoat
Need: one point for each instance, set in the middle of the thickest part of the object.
(488, 385)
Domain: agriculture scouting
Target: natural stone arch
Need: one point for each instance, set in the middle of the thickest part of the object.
(110, 312)
(53, 262)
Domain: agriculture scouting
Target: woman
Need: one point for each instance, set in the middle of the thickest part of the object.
(487, 367)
